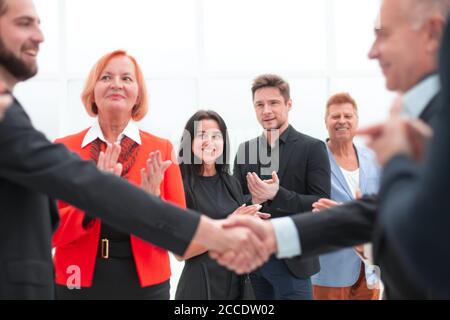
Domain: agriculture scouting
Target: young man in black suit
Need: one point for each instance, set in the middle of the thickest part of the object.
(285, 171)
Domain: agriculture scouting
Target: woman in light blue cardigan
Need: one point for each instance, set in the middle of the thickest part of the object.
(343, 275)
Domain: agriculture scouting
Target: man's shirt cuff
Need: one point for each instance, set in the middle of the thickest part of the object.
(288, 239)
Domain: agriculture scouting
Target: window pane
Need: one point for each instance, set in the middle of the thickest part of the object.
(42, 100)
(75, 117)
(161, 34)
(172, 102)
(308, 106)
(48, 58)
(354, 24)
(257, 35)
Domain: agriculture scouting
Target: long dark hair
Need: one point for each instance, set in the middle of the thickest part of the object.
(190, 165)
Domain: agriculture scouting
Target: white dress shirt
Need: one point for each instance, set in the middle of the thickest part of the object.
(131, 131)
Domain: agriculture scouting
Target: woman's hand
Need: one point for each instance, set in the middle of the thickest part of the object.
(107, 161)
(153, 174)
(252, 210)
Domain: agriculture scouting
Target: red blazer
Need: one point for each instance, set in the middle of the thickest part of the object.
(77, 246)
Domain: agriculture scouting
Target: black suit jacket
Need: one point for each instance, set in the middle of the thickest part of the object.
(352, 224)
(343, 226)
(304, 174)
(355, 223)
(32, 172)
(414, 201)
(400, 282)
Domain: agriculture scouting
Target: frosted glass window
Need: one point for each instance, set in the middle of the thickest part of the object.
(42, 100)
(354, 24)
(253, 35)
(161, 34)
(172, 102)
(308, 106)
(75, 117)
(49, 58)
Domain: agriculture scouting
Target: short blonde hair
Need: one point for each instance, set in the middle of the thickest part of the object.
(341, 98)
(87, 96)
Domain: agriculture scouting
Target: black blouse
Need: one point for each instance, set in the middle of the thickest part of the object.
(202, 278)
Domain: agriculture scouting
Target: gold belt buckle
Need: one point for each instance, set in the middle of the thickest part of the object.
(105, 248)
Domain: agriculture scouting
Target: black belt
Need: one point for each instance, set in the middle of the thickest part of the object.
(114, 249)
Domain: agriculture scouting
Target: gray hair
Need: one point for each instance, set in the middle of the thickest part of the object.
(421, 10)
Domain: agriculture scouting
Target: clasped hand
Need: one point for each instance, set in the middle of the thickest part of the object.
(240, 243)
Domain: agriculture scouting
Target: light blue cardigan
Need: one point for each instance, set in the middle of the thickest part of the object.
(342, 268)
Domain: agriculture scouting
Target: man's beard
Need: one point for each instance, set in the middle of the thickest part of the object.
(14, 65)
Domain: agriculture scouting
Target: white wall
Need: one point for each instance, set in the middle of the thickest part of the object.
(204, 54)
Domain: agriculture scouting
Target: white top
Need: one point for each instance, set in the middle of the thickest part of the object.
(352, 178)
(131, 131)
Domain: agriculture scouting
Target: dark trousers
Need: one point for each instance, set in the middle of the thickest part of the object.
(115, 279)
(274, 281)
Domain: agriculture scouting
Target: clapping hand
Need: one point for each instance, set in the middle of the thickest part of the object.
(153, 174)
(260, 190)
(252, 210)
(108, 160)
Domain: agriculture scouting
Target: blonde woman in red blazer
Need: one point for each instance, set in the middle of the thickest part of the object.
(92, 259)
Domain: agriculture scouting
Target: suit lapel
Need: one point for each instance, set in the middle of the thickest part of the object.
(362, 171)
(288, 149)
(431, 109)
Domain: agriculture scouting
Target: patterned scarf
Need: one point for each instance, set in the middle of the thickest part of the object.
(128, 153)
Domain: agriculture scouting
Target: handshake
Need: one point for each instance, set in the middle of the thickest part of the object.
(240, 243)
